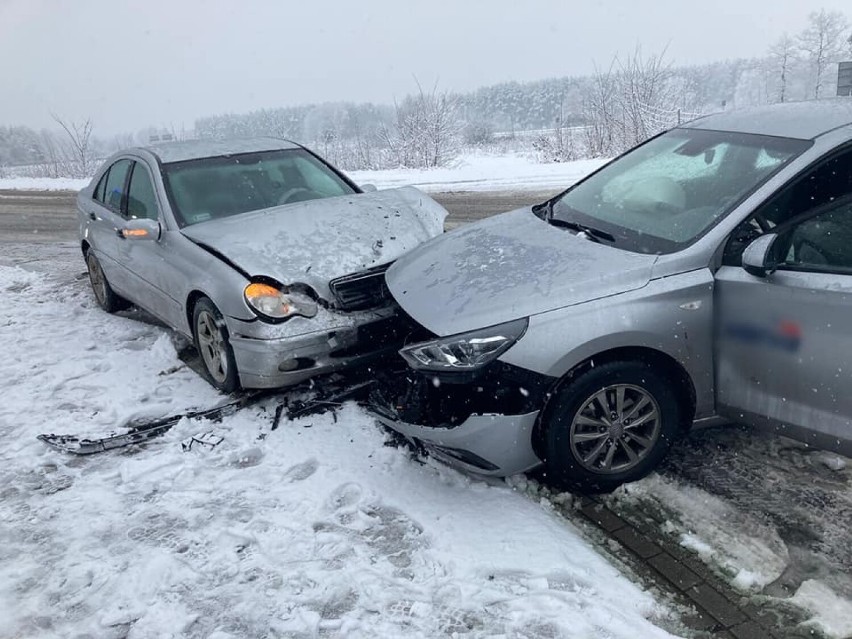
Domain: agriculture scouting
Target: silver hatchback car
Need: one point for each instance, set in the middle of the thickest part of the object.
(704, 275)
(271, 260)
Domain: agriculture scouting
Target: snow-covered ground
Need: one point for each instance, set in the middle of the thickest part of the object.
(316, 529)
(468, 173)
(484, 173)
(42, 184)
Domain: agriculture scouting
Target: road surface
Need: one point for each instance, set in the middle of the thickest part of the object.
(48, 216)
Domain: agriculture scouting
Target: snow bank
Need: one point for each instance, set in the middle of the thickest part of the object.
(743, 545)
(43, 184)
(318, 528)
(484, 173)
(833, 614)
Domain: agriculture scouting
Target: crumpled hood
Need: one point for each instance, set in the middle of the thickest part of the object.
(507, 267)
(317, 241)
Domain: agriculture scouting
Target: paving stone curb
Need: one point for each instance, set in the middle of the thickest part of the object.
(720, 610)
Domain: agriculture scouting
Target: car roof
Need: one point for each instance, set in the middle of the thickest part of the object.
(803, 120)
(196, 149)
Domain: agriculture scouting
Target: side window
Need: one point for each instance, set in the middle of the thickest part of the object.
(116, 179)
(141, 199)
(825, 183)
(822, 242)
(317, 179)
(100, 189)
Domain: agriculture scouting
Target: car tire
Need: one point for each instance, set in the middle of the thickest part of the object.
(106, 298)
(589, 448)
(214, 347)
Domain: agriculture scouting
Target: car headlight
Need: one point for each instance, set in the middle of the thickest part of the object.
(467, 351)
(271, 303)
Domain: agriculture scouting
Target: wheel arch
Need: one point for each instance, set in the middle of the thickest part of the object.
(85, 246)
(189, 308)
(673, 370)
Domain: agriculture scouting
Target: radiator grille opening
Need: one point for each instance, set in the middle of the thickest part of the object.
(359, 291)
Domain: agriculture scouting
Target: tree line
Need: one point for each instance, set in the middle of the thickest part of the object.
(631, 98)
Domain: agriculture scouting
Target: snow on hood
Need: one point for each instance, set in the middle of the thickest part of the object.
(317, 241)
(507, 267)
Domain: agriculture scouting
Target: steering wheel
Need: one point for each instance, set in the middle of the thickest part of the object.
(290, 193)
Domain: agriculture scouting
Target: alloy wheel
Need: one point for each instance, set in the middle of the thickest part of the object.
(211, 343)
(615, 429)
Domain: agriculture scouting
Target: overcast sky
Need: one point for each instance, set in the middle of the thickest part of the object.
(129, 64)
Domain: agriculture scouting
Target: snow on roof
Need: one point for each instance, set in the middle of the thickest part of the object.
(194, 149)
(803, 120)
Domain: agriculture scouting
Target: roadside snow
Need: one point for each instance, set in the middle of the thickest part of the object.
(43, 184)
(484, 173)
(469, 173)
(833, 613)
(741, 544)
(316, 529)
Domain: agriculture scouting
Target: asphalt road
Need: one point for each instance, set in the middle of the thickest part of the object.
(45, 216)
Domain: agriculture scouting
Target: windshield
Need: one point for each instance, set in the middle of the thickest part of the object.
(210, 188)
(665, 194)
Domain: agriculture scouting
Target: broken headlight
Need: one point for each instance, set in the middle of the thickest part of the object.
(273, 304)
(467, 351)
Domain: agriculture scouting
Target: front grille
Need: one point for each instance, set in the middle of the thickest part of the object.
(358, 291)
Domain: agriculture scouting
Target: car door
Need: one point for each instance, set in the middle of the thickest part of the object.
(105, 218)
(784, 341)
(148, 260)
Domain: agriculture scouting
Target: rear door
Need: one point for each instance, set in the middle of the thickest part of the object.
(784, 343)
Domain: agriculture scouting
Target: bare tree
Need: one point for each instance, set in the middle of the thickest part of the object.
(599, 107)
(427, 129)
(636, 98)
(822, 41)
(646, 97)
(784, 55)
(78, 145)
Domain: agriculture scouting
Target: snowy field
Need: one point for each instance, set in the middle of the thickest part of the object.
(469, 173)
(484, 173)
(317, 529)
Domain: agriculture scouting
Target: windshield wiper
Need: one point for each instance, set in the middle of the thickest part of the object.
(596, 235)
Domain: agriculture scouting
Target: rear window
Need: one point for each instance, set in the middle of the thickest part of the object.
(211, 188)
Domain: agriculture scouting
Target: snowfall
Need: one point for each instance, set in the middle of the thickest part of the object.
(324, 527)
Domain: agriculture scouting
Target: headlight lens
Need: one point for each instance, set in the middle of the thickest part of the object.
(272, 303)
(467, 351)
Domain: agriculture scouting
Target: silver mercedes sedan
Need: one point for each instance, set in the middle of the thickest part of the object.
(704, 275)
(267, 257)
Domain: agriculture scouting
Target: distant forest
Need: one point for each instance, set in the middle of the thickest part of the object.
(623, 102)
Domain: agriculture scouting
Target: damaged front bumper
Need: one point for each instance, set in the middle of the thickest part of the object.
(268, 357)
(485, 426)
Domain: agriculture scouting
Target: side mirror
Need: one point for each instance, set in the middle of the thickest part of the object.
(757, 257)
(369, 188)
(141, 229)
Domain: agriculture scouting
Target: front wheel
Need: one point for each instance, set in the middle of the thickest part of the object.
(611, 425)
(211, 340)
